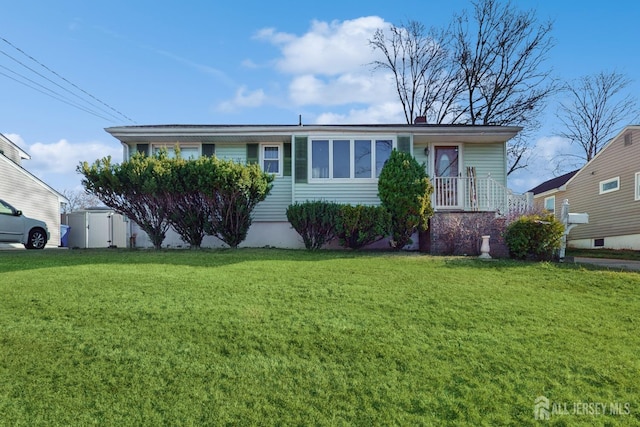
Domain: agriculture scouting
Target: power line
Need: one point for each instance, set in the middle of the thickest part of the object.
(58, 98)
(49, 80)
(61, 97)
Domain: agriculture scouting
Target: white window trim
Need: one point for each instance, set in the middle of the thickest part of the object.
(554, 203)
(280, 157)
(607, 181)
(351, 138)
(637, 186)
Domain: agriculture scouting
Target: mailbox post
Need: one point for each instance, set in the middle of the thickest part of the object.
(569, 220)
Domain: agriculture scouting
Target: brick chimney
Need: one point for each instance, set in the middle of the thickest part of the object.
(420, 119)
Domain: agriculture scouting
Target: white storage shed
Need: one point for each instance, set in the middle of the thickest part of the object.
(96, 228)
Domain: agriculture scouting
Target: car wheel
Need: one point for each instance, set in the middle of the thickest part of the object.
(37, 239)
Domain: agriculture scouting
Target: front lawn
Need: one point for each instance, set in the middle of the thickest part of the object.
(261, 337)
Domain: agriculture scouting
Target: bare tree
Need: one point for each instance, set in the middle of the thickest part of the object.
(426, 83)
(519, 153)
(502, 61)
(487, 68)
(502, 58)
(79, 199)
(596, 108)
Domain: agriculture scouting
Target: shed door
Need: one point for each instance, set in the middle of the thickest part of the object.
(99, 230)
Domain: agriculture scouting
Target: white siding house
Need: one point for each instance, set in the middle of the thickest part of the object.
(340, 163)
(26, 192)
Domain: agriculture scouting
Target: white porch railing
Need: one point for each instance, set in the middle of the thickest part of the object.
(477, 194)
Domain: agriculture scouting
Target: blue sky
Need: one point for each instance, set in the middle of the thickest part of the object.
(214, 62)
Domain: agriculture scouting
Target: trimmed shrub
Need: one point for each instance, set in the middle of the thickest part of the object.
(536, 236)
(206, 195)
(232, 191)
(315, 222)
(189, 211)
(136, 188)
(405, 191)
(360, 225)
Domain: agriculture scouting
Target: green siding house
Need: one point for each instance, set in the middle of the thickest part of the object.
(340, 163)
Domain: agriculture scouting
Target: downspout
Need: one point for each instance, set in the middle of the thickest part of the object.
(293, 165)
(86, 230)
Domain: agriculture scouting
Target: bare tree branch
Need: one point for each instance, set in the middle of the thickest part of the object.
(425, 81)
(595, 110)
(80, 199)
(487, 68)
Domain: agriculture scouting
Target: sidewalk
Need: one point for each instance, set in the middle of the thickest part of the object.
(616, 264)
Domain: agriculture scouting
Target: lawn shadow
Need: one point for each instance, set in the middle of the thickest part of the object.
(19, 260)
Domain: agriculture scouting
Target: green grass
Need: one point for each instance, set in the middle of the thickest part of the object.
(262, 337)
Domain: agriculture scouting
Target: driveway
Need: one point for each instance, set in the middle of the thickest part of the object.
(10, 246)
(615, 264)
(20, 246)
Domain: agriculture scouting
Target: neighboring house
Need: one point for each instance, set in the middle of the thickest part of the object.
(550, 194)
(608, 189)
(341, 163)
(26, 192)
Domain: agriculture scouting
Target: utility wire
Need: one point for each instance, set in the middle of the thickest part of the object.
(65, 80)
(49, 92)
(55, 97)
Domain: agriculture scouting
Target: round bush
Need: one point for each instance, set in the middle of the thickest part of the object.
(534, 237)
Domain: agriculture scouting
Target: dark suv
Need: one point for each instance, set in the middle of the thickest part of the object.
(17, 228)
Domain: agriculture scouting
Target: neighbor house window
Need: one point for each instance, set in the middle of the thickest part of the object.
(188, 152)
(271, 159)
(637, 186)
(550, 203)
(610, 185)
(341, 158)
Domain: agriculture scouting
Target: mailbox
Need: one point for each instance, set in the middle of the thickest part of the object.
(570, 220)
(578, 218)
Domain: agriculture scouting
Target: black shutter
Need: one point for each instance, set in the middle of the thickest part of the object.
(209, 150)
(143, 148)
(252, 153)
(404, 144)
(301, 159)
(286, 159)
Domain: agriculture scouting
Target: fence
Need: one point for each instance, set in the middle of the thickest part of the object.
(477, 194)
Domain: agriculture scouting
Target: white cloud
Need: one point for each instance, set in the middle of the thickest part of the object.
(248, 63)
(390, 112)
(55, 163)
(328, 66)
(545, 163)
(328, 48)
(548, 148)
(271, 35)
(344, 89)
(243, 99)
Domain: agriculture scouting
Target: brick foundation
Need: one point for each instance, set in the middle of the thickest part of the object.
(460, 233)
